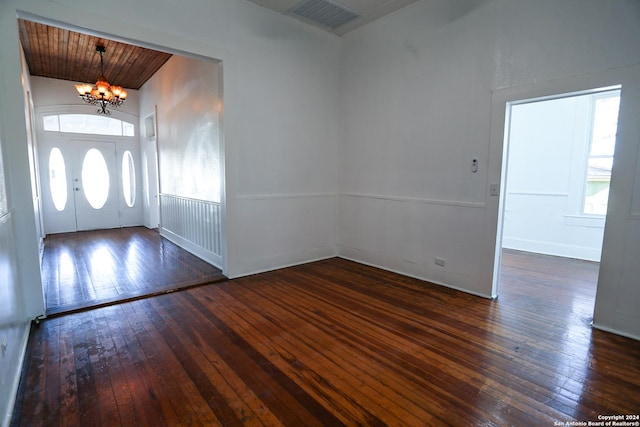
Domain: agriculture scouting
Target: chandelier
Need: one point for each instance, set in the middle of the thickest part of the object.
(102, 93)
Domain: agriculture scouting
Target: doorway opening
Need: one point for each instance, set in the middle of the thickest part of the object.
(99, 181)
(557, 161)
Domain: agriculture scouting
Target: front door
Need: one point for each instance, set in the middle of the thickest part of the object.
(95, 185)
(81, 185)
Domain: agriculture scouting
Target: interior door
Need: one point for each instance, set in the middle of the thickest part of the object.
(95, 185)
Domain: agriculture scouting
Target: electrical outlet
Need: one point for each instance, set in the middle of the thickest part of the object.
(440, 261)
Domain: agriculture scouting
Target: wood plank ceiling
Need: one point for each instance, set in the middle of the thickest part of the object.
(68, 55)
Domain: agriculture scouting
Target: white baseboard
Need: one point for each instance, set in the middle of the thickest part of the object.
(420, 271)
(555, 249)
(615, 331)
(276, 262)
(196, 250)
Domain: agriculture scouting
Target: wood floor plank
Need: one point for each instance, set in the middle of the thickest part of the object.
(336, 343)
(180, 402)
(286, 399)
(224, 390)
(94, 268)
(353, 377)
(320, 381)
(383, 353)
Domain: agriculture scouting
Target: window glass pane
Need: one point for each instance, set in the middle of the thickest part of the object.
(599, 168)
(95, 178)
(596, 197)
(600, 160)
(128, 129)
(51, 123)
(596, 193)
(85, 123)
(128, 179)
(57, 179)
(605, 124)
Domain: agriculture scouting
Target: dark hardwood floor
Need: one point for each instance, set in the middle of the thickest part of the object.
(96, 268)
(337, 343)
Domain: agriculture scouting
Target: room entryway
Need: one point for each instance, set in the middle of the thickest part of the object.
(558, 159)
(89, 269)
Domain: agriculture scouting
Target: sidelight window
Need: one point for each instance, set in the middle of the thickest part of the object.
(57, 179)
(128, 179)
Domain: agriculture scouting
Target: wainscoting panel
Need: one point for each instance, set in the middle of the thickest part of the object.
(195, 225)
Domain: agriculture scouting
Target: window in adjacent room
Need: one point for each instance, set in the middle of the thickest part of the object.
(600, 154)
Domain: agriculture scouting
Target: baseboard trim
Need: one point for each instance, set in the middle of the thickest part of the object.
(210, 257)
(424, 279)
(615, 331)
(293, 264)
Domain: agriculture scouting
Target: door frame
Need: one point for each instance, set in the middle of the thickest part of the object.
(500, 119)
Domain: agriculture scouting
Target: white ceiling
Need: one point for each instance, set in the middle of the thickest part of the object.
(369, 10)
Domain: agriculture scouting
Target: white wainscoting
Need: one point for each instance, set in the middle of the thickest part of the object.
(280, 230)
(406, 234)
(14, 322)
(195, 225)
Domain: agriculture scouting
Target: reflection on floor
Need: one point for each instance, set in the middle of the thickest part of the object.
(549, 285)
(94, 268)
(335, 343)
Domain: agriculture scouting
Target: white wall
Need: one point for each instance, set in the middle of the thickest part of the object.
(548, 145)
(14, 313)
(415, 104)
(416, 107)
(186, 93)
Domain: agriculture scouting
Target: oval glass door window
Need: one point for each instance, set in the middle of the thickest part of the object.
(57, 179)
(95, 178)
(128, 179)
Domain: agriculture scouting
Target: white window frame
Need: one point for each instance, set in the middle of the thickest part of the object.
(59, 110)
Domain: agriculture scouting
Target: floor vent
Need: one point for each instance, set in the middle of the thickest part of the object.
(324, 12)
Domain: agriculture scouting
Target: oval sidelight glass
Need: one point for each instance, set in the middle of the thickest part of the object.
(128, 179)
(95, 178)
(57, 179)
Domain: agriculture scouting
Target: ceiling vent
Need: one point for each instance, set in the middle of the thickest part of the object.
(324, 12)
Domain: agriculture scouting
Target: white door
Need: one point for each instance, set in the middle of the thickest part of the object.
(95, 185)
(80, 185)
